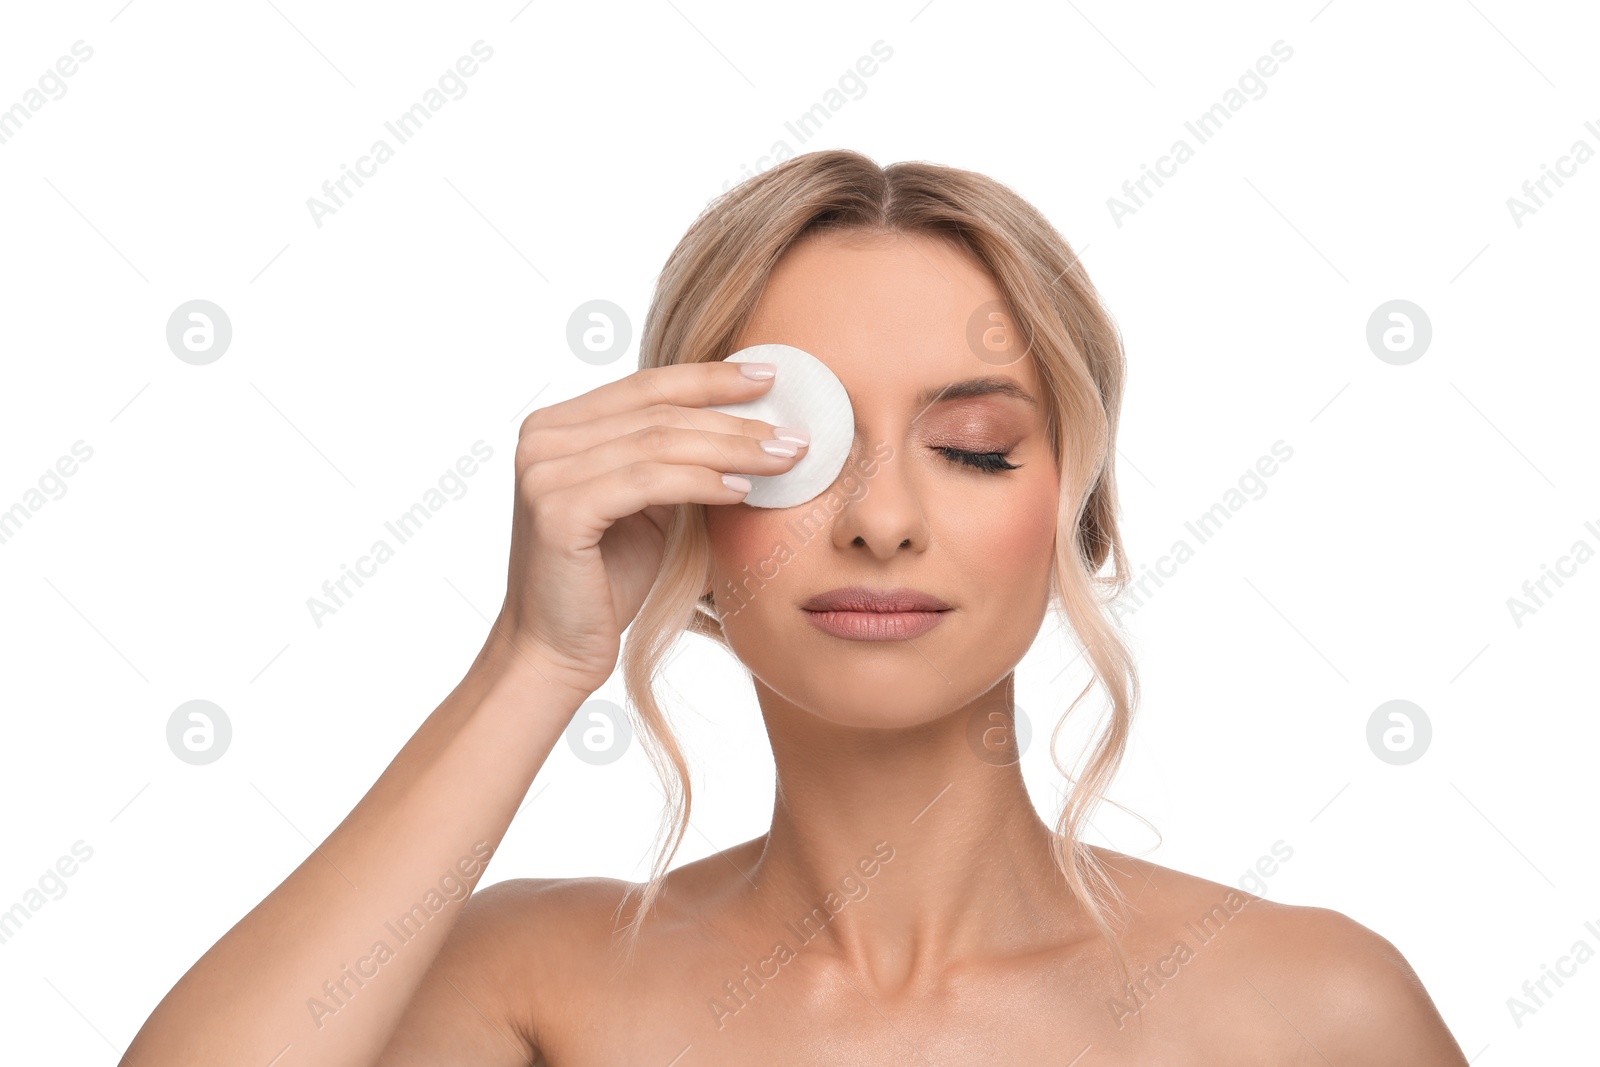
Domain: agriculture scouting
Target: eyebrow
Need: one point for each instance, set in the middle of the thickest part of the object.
(971, 387)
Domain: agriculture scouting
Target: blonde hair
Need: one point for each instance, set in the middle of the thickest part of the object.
(707, 291)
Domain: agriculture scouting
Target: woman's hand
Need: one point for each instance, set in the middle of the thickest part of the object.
(596, 478)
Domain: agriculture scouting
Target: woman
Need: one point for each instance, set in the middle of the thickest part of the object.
(907, 904)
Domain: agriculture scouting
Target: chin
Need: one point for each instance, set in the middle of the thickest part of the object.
(893, 701)
(880, 685)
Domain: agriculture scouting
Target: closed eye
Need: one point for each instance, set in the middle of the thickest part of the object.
(989, 462)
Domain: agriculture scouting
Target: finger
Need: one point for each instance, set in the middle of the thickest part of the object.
(684, 384)
(598, 503)
(547, 442)
(726, 453)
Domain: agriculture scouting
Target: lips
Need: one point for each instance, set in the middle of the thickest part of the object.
(859, 613)
(858, 598)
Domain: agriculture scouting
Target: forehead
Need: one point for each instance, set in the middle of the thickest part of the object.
(888, 313)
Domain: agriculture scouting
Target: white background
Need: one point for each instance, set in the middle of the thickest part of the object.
(430, 310)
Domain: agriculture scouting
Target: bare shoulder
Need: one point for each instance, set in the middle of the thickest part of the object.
(544, 907)
(1333, 990)
(1350, 985)
(528, 930)
(508, 961)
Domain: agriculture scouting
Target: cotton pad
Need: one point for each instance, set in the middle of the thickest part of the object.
(807, 395)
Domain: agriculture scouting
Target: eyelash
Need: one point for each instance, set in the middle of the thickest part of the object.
(988, 462)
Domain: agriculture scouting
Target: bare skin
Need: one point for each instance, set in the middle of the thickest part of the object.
(965, 946)
(940, 930)
(1275, 985)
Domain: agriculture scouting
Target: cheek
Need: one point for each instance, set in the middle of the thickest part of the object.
(1012, 546)
(741, 537)
(1039, 513)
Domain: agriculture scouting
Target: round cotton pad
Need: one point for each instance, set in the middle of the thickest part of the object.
(807, 395)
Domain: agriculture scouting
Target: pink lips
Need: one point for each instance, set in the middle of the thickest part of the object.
(858, 613)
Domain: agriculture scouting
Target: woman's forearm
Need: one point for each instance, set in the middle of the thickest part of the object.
(324, 966)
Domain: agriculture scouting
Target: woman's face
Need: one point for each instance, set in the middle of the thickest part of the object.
(890, 316)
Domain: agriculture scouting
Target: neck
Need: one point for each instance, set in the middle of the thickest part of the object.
(899, 851)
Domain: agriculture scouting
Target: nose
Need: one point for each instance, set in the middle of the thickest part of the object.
(885, 507)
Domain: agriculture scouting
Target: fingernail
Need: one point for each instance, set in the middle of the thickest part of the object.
(778, 448)
(736, 483)
(789, 433)
(758, 370)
